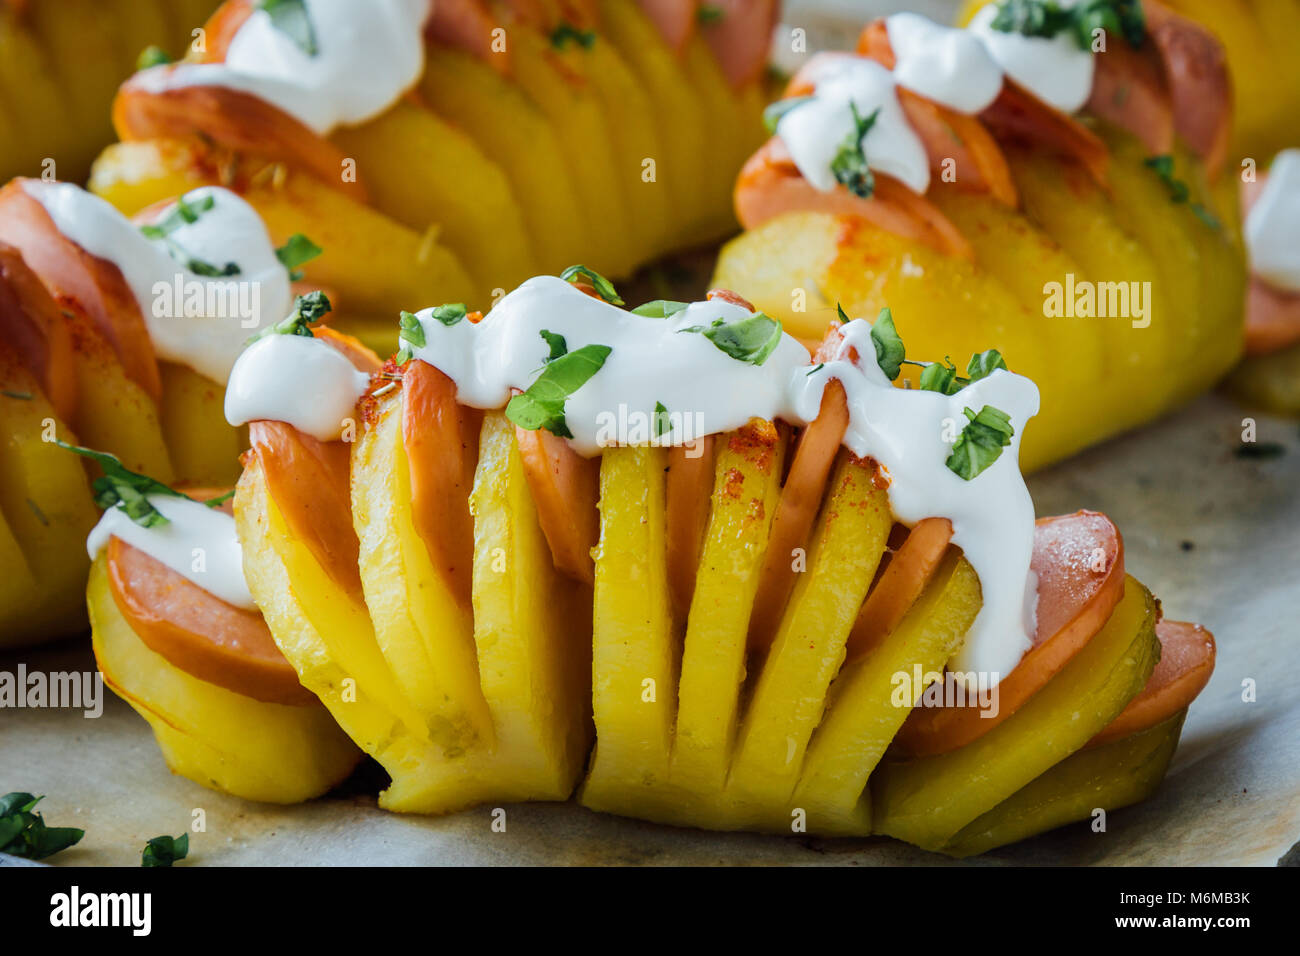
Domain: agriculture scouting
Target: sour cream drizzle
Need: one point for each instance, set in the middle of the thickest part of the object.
(1273, 224)
(960, 69)
(195, 535)
(367, 55)
(909, 433)
(298, 380)
(195, 320)
(653, 360)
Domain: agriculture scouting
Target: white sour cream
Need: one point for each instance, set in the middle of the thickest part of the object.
(814, 131)
(1272, 227)
(1052, 68)
(653, 361)
(298, 380)
(198, 543)
(368, 54)
(195, 320)
(948, 65)
(909, 432)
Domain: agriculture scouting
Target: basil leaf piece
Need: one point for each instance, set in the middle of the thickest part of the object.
(24, 833)
(941, 377)
(120, 487)
(541, 405)
(889, 345)
(660, 308)
(219, 500)
(984, 364)
(850, 166)
(981, 442)
(566, 33)
(449, 314)
(184, 213)
(604, 288)
(307, 310)
(297, 251)
(663, 423)
(751, 339)
(290, 18)
(151, 56)
(841, 314)
(1117, 17)
(1031, 18)
(558, 346)
(165, 850)
(775, 111)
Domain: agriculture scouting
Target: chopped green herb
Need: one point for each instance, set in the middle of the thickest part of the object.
(20, 396)
(941, 377)
(604, 288)
(297, 251)
(1163, 166)
(449, 314)
(541, 405)
(219, 500)
(1261, 450)
(410, 335)
(889, 344)
(290, 18)
(307, 310)
(120, 487)
(850, 166)
(1207, 217)
(660, 309)
(1047, 18)
(165, 850)
(841, 314)
(23, 831)
(36, 510)
(567, 33)
(152, 56)
(709, 13)
(558, 346)
(775, 111)
(663, 422)
(815, 369)
(751, 339)
(984, 364)
(183, 213)
(981, 442)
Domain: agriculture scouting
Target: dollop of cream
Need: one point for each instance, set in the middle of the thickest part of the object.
(1272, 228)
(653, 361)
(197, 542)
(195, 320)
(1054, 69)
(910, 433)
(946, 64)
(815, 131)
(367, 55)
(296, 379)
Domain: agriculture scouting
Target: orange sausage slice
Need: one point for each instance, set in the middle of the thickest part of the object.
(689, 484)
(900, 584)
(198, 632)
(1187, 655)
(31, 324)
(1272, 314)
(73, 275)
(1128, 90)
(1079, 560)
(741, 37)
(1018, 114)
(674, 20)
(441, 440)
(565, 487)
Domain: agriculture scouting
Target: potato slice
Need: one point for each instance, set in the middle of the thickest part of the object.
(862, 714)
(204, 448)
(926, 801)
(516, 133)
(789, 696)
(635, 652)
(424, 632)
(746, 488)
(46, 506)
(276, 753)
(1116, 775)
(426, 173)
